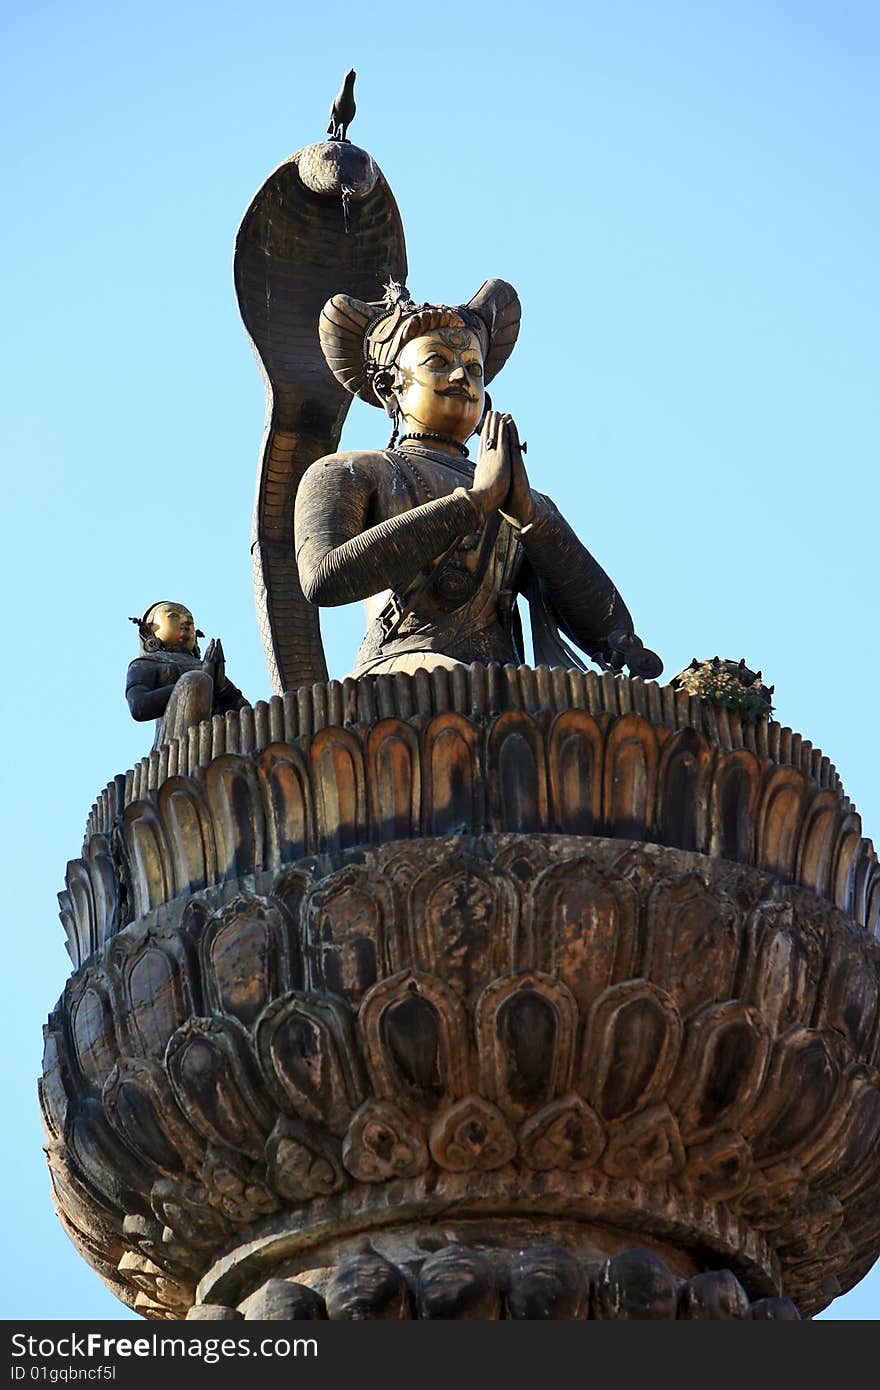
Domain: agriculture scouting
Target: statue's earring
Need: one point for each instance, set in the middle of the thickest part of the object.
(149, 642)
(395, 431)
(384, 383)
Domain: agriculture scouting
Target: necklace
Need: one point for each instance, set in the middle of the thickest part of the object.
(433, 434)
(463, 467)
(420, 479)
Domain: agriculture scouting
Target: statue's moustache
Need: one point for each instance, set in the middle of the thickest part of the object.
(457, 391)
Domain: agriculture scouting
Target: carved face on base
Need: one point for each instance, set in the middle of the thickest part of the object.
(440, 383)
(173, 624)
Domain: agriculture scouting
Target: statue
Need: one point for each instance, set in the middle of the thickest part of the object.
(502, 996)
(343, 109)
(170, 681)
(325, 218)
(440, 548)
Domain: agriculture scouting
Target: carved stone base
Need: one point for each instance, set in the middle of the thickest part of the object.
(579, 1033)
(577, 959)
(475, 1271)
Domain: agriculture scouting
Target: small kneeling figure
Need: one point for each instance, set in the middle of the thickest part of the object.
(170, 681)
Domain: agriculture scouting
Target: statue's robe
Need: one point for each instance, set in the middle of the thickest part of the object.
(399, 529)
(151, 681)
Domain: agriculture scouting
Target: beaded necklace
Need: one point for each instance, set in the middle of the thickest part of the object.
(463, 467)
(435, 434)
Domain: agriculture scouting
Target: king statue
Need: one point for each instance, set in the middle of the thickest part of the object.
(440, 547)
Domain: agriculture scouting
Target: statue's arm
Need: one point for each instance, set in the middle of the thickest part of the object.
(341, 557)
(582, 595)
(146, 700)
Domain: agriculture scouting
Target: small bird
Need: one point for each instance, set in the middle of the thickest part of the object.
(343, 108)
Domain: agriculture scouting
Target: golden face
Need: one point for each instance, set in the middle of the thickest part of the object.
(173, 624)
(441, 383)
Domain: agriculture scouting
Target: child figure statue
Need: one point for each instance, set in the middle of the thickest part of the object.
(170, 681)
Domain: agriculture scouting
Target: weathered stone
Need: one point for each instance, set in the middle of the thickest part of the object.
(213, 1312)
(283, 1300)
(458, 1283)
(547, 1282)
(366, 1287)
(777, 1309)
(717, 1294)
(643, 1036)
(635, 1285)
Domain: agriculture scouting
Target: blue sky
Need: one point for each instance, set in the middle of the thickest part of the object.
(686, 197)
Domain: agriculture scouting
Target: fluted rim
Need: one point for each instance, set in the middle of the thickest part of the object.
(702, 781)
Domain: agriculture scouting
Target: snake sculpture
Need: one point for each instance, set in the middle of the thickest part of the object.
(324, 221)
